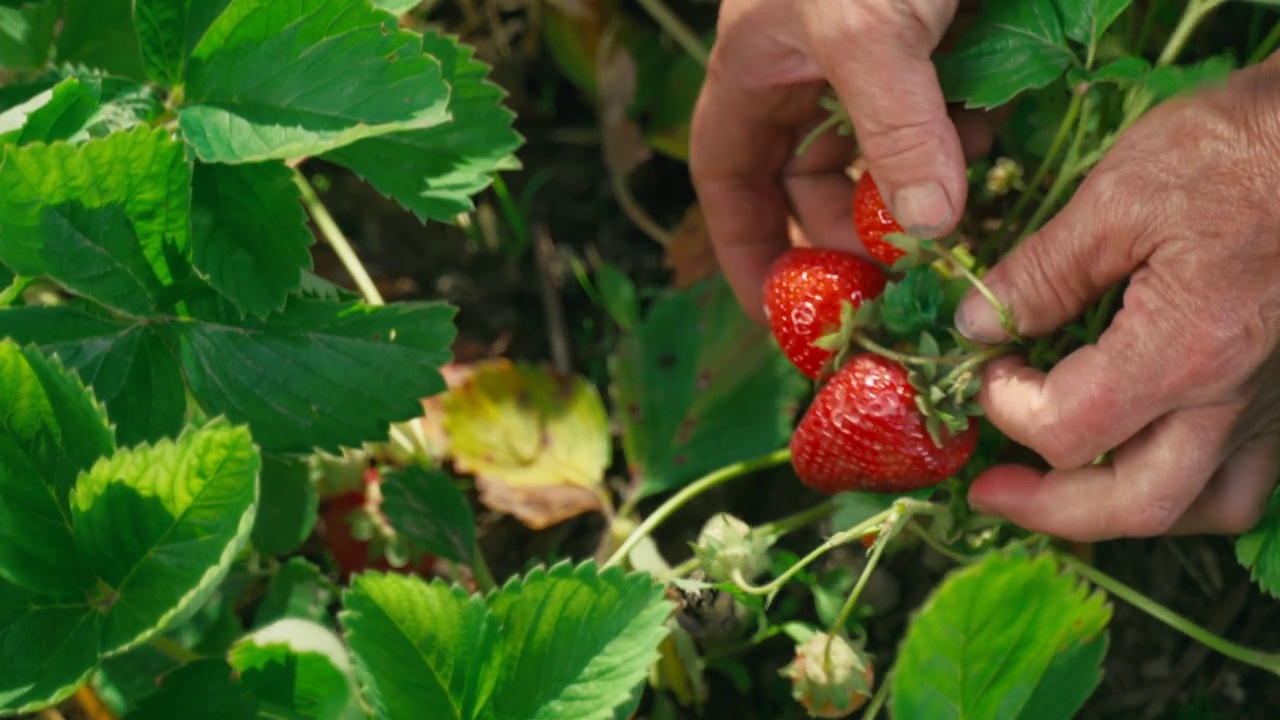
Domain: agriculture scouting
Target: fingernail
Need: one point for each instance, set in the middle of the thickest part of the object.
(923, 210)
(977, 319)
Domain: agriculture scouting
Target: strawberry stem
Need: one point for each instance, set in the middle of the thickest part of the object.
(898, 517)
(1266, 661)
(946, 255)
(694, 489)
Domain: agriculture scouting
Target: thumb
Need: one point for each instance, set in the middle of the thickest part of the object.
(876, 54)
(1056, 273)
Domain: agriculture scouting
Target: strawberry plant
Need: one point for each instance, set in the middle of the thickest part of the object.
(231, 487)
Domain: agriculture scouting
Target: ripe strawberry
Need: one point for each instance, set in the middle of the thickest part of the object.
(865, 432)
(830, 676)
(803, 296)
(872, 221)
(348, 522)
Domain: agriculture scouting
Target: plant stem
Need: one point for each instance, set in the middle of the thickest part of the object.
(897, 519)
(836, 540)
(781, 527)
(878, 701)
(333, 235)
(1266, 661)
(1055, 147)
(480, 571)
(172, 650)
(1267, 45)
(694, 489)
(1191, 17)
(1069, 171)
(677, 29)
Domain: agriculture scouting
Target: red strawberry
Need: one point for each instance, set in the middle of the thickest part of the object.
(353, 553)
(803, 296)
(865, 432)
(872, 221)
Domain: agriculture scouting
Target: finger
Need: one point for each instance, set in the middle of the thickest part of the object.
(1152, 482)
(735, 161)
(818, 189)
(1234, 500)
(1098, 396)
(1053, 275)
(876, 54)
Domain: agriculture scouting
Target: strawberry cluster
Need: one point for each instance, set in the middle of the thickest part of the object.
(894, 410)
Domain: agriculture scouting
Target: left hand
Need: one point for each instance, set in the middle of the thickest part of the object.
(1184, 386)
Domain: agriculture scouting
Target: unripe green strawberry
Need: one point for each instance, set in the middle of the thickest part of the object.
(727, 544)
(830, 677)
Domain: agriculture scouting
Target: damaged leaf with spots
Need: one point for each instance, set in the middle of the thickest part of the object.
(537, 442)
(698, 386)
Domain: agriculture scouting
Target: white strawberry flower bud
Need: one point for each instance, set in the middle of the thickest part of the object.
(1004, 176)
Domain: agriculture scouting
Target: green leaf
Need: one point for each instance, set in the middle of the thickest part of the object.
(50, 430)
(82, 105)
(130, 367)
(1122, 72)
(339, 373)
(162, 28)
(64, 111)
(427, 509)
(854, 508)
(1011, 47)
(399, 7)
(354, 75)
(249, 234)
(914, 304)
(160, 525)
(287, 506)
(298, 670)
(1259, 549)
(1070, 680)
(26, 34)
(434, 172)
(1168, 81)
(699, 386)
(576, 640)
(421, 650)
(1085, 21)
(121, 681)
(105, 219)
(100, 34)
(299, 590)
(996, 635)
(200, 690)
(61, 633)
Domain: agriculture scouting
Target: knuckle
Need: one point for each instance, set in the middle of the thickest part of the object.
(1151, 515)
(900, 143)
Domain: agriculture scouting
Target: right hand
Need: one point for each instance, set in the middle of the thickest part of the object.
(771, 63)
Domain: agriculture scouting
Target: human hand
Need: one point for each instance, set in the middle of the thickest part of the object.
(1184, 386)
(770, 65)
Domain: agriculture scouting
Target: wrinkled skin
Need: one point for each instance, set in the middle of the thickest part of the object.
(1184, 386)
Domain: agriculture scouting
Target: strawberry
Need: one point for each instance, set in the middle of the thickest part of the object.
(830, 676)
(803, 298)
(864, 431)
(357, 535)
(872, 221)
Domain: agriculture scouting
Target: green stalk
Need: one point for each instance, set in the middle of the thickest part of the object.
(172, 650)
(846, 536)
(694, 489)
(1266, 661)
(1191, 17)
(1070, 170)
(1267, 46)
(675, 27)
(480, 571)
(1059, 141)
(333, 235)
(877, 549)
(794, 522)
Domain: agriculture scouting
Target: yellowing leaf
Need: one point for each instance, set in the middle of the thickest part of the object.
(537, 442)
